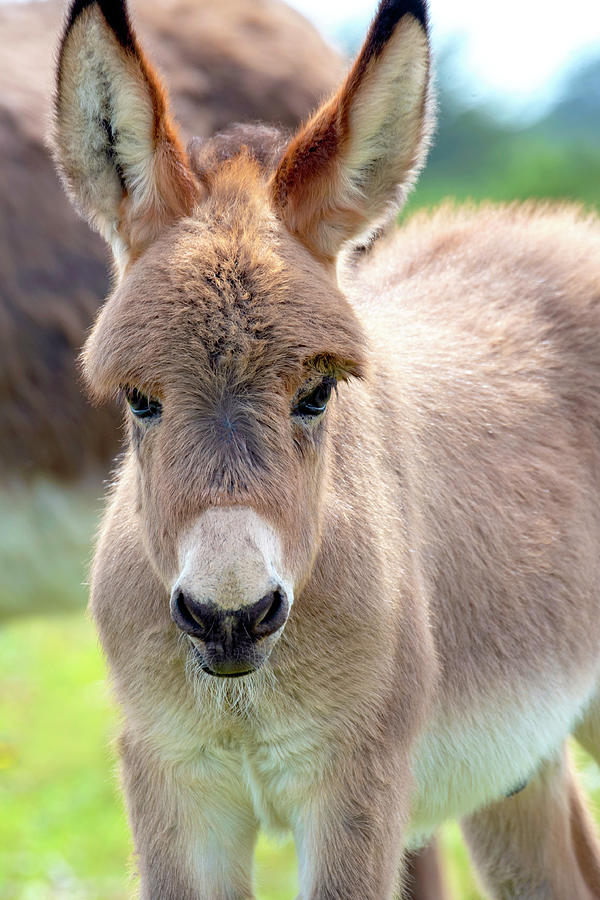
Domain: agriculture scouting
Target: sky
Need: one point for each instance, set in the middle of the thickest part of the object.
(512, 52)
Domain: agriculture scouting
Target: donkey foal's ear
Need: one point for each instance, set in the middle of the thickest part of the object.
(114, 143)
(352, 165)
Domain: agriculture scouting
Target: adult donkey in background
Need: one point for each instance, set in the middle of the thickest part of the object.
(348, 579)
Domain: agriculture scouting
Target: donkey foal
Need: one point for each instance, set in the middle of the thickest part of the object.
(348, 578)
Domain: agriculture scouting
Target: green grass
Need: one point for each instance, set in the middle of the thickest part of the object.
(63, 832)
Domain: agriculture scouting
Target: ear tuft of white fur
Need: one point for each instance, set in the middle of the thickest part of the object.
(390, 122)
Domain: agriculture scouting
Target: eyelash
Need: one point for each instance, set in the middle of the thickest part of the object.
(142, 406)
(315, 402)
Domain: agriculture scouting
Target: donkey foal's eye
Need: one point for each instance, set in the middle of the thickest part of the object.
(314, 404)
(141, 406)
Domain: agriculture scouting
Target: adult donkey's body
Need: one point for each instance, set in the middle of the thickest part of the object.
(405, 579)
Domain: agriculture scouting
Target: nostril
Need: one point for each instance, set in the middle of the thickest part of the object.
(274, 610)
(211, 623)
(187, 616)
(271, 610)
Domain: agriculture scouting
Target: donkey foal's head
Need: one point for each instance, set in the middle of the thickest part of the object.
(226, 332)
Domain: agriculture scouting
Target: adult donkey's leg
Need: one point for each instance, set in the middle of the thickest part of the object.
(538, 844)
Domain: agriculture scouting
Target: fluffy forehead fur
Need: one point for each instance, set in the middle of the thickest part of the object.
(224, 294)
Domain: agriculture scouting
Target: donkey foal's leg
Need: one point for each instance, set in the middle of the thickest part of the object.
(349, 839)
(194, 830)
(537, 845)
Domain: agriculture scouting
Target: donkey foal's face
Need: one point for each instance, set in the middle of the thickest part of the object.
(227, 333)
(228, 344)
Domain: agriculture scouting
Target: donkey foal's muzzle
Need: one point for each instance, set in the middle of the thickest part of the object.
(231, 638)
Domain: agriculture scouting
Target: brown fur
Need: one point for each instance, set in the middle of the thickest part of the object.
(237, 60)
(436, 530)
(539, 843)
(424, 875)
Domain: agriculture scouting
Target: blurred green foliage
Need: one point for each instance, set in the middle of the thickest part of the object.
(476, 156)
(46, 533)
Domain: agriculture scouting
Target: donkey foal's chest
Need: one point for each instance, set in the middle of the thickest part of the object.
(273, 766)
(282, 774)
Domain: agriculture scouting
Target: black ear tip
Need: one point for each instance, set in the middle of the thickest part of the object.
(390, 12)
(114, 11)
(420, 10)
(397, 9)
(417, 8)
